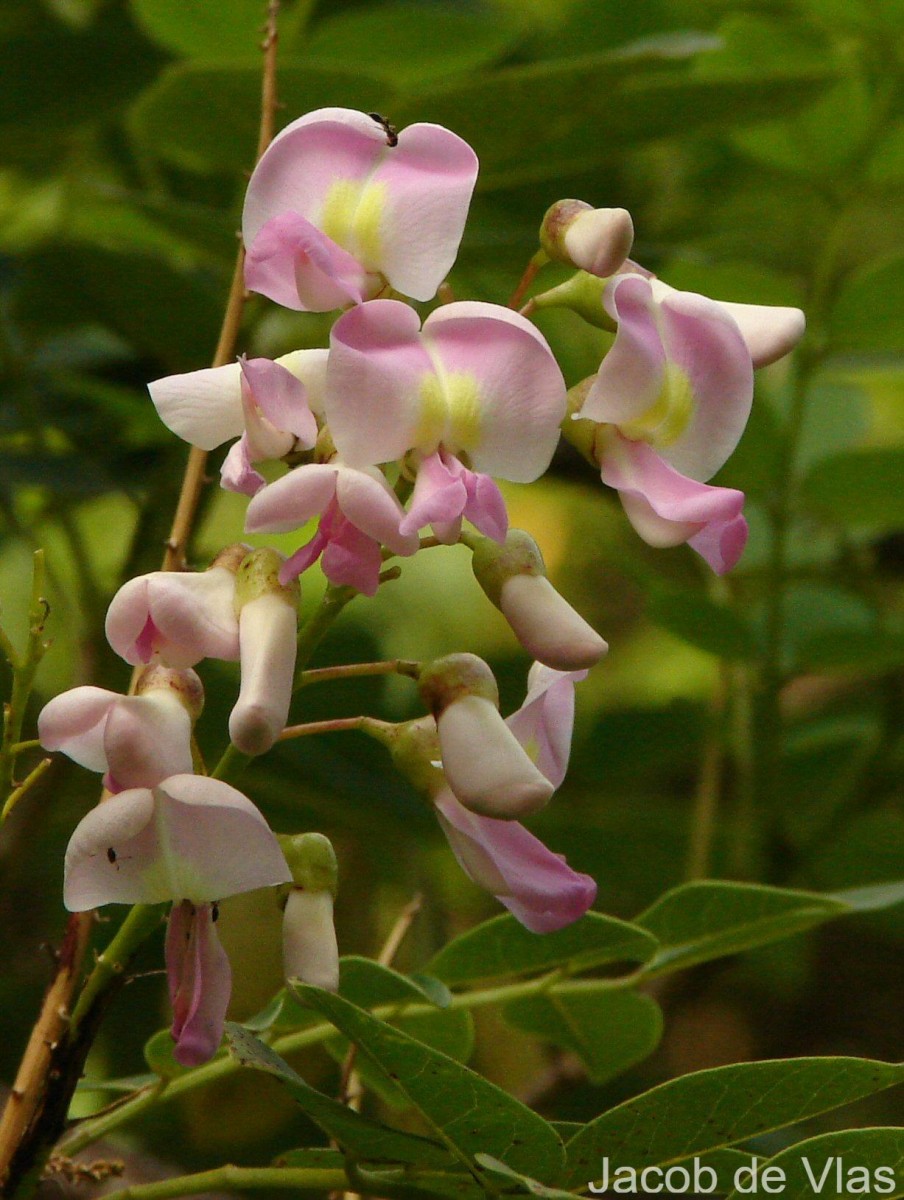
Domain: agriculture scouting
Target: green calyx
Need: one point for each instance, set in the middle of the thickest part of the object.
(312, 861)
(184, 684)
(415, 751)
(258, 575)
(583, 294)
(493, 564)
(448, 679)
(556, 221)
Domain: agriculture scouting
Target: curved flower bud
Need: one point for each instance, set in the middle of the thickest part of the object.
(666, 508)
(211, 406)
(200, 982)
(479, 381)
(596, 240)
(310, 951)
(136, 740)
(360, 512)
(178, 617)
(513, 576)
(337, 206)
(535, 885)
(268, 624)
(484, 764)
(678, 376)
(189, 838)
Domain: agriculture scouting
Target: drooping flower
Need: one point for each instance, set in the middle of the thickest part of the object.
(337, 207)
(359, 513)
(476, 392)
(136, 741)
(178, 617)
(254, 399)
(310, 951)
(513, 576)
(483, 762)
(191, 840)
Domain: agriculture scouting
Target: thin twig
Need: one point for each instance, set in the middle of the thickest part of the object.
(394, 666)
(26, 785)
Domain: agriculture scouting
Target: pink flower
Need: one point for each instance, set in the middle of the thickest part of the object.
(254, 398)
(535, 885)
(359, 511)
(544, 722)
(178, 617)
(476, 393)
(135, 740)
(337, 207)
(277, 420)
(192, 840)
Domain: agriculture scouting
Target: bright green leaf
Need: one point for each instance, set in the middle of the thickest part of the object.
(503, 947)
(609, 1029)
(709, 1109)
(229, 27)
(466, 1111)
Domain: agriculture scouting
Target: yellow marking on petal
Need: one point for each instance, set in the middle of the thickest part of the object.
(450, 412)
(351, 215)
(669, 415)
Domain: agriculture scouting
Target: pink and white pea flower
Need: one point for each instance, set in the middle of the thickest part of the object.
(338, 206)
(191, 840)
(535, 884)
(134, 740)
(270, 405)
(475, 393)
(673, 396)
(359, 514)
(178, 617)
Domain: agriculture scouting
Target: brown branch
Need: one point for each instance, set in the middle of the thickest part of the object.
(52, 1064)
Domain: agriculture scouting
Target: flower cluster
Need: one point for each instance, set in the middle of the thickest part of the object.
(401, 425)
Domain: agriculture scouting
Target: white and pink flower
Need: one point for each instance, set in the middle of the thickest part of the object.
(337, 208)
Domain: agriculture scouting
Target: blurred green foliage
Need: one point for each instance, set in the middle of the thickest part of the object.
(760, 148)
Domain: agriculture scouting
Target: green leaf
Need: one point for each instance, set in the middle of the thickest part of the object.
(204, 116)
(705, 624)
(609, 1029)
(857, 1154)
(503, 947)
(464, 1109)
(367, 983)
(869, 312)
(859, 487)
(709, 1109)
(857, 650)
(358, 1135)
(532, 1186)
(400, 42)
(229, 27)
(874, 898)
(700, 921)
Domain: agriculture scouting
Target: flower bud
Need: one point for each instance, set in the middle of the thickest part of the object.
(582, 294)
(485, 766)
(310, 951)
(550, 630)
(268, 622)
(596, 240)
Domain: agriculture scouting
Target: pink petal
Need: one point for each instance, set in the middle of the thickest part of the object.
(74, 723)
(667, 509)
(304, 557)
(544, 722)
(310, 952)
(485, 508)
(147, 738)
(237, 474)
(769, 331)
(429, 177)
(200, 982)
(191, 837)
(546, 625)
(281, 397)
(293, 500)
(368, 501)
(292, 262)
(438, 496)
(353, 559)
(376, 365)
(203, 408)
(191, 614)
(522, 391)
(537, 886)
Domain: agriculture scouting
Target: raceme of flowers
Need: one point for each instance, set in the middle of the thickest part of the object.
(393, 437)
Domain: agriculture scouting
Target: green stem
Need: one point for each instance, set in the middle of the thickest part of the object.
(26, 785)
(140, 923)
(310, 634)
(339, 725)
(24, 668)
(395, 666)
(230, 1178)
(92, 1128)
